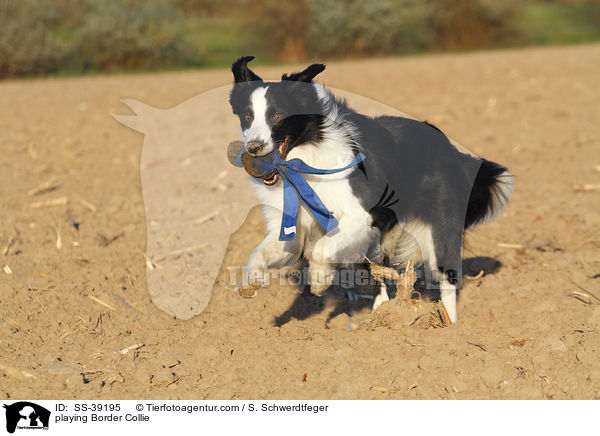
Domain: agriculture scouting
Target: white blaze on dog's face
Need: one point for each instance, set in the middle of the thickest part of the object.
(255, 127)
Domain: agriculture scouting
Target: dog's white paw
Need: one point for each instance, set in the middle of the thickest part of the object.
(320, 276)
(248, 290)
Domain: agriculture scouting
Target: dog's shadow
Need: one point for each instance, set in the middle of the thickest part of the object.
(306, 304)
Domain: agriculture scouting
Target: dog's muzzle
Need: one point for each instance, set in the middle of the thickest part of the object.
(254, 147)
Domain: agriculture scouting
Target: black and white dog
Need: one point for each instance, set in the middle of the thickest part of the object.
(411, 199)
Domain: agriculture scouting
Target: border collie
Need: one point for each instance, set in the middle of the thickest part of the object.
(410, 199)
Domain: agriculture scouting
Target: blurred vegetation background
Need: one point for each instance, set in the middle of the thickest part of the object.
(41, 37)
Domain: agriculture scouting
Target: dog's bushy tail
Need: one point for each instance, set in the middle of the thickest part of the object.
(491, 192)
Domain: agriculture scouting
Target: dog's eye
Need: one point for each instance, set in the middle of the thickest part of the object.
(248, 117)
(276, 116)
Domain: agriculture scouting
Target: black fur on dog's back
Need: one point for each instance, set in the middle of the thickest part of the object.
(492, 183)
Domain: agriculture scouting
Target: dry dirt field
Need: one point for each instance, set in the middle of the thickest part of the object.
(522, 332)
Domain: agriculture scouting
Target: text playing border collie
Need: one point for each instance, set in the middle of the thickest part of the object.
(411, 198)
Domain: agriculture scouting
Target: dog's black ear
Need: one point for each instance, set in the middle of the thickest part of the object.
(306, 75)
(241, 72)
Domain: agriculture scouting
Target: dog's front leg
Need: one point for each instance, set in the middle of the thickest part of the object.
(347, 244)
(271, 253)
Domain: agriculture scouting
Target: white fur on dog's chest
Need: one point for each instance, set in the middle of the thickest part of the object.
(334, 190)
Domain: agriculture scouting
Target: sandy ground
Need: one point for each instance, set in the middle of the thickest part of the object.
(521, 333)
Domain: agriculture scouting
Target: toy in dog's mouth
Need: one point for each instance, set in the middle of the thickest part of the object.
(260, 167)
(282, 151)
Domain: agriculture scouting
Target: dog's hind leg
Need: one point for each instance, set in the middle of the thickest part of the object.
(439, 246)
(445, 265)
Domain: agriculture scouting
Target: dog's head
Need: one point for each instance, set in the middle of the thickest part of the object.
(276, 115)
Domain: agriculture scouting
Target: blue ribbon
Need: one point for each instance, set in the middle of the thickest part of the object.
(295, 186)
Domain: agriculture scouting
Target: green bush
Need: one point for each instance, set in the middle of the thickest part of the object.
(342, 28)
(283, 26)
(26, 44)
(130, 34)
(359, 27)
(205, 7)
(39, 37)
(82, 35)
(560, 22)
(468, 24)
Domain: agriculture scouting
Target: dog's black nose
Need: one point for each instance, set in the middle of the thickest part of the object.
(254, 146)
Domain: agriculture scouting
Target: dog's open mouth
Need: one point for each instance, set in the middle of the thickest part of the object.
(282, 152)
(271, 180)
